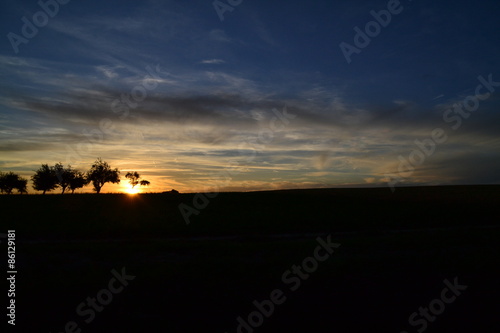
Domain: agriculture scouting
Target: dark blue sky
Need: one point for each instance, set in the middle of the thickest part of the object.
(201, 91)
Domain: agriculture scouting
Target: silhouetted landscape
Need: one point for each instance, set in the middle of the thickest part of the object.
(237, 166)
(395, 251)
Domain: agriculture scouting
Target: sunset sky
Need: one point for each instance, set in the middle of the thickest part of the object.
(265, 96)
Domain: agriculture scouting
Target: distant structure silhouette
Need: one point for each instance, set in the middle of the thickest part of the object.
(171, 192)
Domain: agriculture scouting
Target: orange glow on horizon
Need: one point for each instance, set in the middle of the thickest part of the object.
(132, 191)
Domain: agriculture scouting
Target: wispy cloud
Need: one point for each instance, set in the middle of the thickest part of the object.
(212, 61)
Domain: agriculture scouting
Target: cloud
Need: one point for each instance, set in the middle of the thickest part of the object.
(212, 61)
(107, 71)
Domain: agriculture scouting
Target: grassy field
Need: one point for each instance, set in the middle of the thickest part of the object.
(395, 251)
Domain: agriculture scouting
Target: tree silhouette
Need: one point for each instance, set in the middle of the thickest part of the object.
(22, 185)
(10, 181)
(101, 173)
(45, 179)
(66, 177)
(77, 180)
(7, 182)
(63, 175)
(134, 179)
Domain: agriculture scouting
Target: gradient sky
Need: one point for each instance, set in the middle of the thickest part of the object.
(211, 103)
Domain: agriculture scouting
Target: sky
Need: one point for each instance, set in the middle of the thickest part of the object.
(234, 95)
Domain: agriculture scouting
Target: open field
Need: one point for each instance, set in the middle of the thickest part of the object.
(395, 252)
(253, 213)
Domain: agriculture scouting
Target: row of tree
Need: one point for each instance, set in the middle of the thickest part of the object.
(48, 178)
(10, 181)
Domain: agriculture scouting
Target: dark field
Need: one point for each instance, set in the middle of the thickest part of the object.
(395, 252)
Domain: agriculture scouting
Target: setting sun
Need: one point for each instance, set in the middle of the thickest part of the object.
(131, 191)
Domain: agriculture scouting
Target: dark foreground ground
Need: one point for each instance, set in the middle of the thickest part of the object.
(396, 251)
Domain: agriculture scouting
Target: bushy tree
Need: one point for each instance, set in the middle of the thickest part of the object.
(63, 175)
(45, 179)
(77, 180)
(10, 181)
(69, 178)
(22, 185)
(101, 173)
(7, 182)
(135, 179)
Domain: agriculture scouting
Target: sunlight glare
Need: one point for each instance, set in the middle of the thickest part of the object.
(132, 191)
